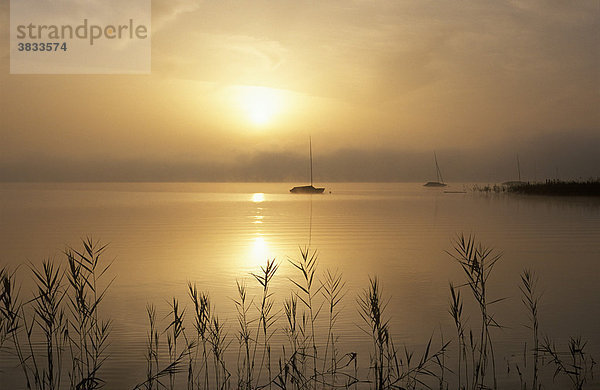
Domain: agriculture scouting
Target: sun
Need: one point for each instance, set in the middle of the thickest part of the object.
(260, 104)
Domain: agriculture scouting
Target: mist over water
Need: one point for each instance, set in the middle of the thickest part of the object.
(559, 155)
(163, 235)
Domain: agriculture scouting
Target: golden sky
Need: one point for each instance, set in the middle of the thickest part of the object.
(236, 85)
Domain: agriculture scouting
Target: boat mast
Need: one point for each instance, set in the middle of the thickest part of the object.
(310, 153)
(437, 169)
(518, 167)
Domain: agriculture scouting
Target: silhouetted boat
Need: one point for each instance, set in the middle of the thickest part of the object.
(512, 183)
(440, 180)
(310, 189)
(307, 190)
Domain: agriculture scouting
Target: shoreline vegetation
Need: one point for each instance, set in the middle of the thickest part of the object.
(590, 187)
(58, 339)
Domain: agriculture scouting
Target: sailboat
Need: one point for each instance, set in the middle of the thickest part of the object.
(440, 180)
(310, 189)
(515, 182)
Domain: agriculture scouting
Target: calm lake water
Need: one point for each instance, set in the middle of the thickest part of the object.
(163, 235)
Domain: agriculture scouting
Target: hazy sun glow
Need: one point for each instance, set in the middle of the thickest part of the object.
(260, 104)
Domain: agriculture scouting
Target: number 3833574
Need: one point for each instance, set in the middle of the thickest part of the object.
(43, 46)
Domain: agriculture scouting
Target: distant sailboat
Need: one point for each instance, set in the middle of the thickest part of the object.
(310, 189)
(440, 180)
(515, 182)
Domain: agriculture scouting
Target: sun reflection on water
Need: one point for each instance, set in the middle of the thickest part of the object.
(258, 197)
(257, 250)
(260, 250)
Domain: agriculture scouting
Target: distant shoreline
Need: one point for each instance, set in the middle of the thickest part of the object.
(589, 187)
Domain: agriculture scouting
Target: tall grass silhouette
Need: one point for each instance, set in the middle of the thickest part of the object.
(63, 317)
(477, 262)
(293, 344)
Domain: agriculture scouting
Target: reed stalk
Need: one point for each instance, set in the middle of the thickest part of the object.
(88, 335)
(477, 262)
(49, 317)
(14, 319)
(372, 308)
(456, 311)
(70, 326)
(202, 316)
(307, 265)
(266, 318)
(576, 364)
(530, 298)
(333, 293)
(174, 332)
(244, 338)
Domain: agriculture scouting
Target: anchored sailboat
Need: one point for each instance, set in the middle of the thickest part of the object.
(440, 180)
(310, 189)
(515, 182)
